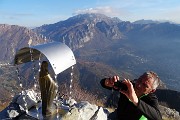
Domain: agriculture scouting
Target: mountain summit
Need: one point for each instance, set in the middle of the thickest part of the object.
(79, 30)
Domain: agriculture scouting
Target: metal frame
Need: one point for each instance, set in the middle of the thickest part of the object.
(58, 54)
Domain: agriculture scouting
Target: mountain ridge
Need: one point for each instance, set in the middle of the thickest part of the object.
(119, 45)
(124, 40)
(14, 37)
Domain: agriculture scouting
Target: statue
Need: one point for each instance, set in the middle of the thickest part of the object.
(48, 89)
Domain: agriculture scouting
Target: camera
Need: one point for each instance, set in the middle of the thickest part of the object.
(120, 85)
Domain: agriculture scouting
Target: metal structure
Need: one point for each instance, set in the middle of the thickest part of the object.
(58, 54)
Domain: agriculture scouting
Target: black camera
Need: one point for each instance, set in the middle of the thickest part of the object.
(120, 85)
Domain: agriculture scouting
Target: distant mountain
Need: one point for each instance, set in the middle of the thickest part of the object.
(145, 22)
(79, 30)
(13, 37)
(97, 38)
(134, 48)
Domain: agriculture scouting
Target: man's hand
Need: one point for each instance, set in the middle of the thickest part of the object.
(109, 82)
(130, 93)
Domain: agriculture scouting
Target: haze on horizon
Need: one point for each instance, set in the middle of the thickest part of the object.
(35, 13)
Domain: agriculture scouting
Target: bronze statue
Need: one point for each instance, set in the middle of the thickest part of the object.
(48, 89)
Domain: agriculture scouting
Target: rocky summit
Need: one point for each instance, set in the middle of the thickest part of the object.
(28, 106)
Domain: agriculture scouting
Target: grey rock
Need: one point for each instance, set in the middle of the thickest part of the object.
(12, 113)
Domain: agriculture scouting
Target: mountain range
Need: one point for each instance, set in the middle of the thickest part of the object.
(103, 47)
(123, 45)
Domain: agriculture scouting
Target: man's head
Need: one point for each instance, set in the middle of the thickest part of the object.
(147, 83)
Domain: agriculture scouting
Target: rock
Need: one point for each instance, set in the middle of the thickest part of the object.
(170, 114)
(23, 107)
(20, 104)
(85, 111)
(71, 102)
(101, 114)
(12, 113)
(27, 99)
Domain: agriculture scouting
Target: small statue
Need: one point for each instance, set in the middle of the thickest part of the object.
(48, 89)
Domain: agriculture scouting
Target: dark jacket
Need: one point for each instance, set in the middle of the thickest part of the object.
(147, 106)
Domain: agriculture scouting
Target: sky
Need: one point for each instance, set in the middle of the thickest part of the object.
(34, 13)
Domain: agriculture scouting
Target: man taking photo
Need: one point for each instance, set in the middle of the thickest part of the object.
(137, 101)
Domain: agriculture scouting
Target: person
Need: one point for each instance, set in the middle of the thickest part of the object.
(138, 102)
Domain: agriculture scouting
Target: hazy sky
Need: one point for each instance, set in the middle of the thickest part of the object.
(32, 13)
